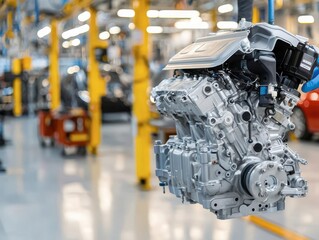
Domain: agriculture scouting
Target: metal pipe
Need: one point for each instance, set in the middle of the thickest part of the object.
(271, 12)
(37, 11)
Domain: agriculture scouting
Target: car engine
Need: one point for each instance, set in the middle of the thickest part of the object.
(231, 97)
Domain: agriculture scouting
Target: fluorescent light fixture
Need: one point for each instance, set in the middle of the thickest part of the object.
(66, 44)
(178, 13)
(196, 19)
(84, 16)
(126, 13)
(154, 29)
(75, 42)
(191, 25)
(73, 69)
(104, 35)
(129, 13)
(152, 13)
(227, 25)
(115, 30)
(131, 26)
(44, 31)
(304, 19)
(225, 8)
(75, 31)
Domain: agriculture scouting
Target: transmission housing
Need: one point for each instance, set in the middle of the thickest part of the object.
(231, 97)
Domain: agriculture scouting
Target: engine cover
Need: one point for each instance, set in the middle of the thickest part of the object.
(231, 118)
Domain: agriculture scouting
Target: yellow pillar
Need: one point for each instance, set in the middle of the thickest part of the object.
(141, 84)
(54, 77)
(256, 15)
(26, 63)
(214, 15)
(17, 87)
(96, 85)
(10, 33)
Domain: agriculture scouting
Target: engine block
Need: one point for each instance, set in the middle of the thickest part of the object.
(229, 154)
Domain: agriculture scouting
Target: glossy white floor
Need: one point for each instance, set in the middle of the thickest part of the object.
(46, 197)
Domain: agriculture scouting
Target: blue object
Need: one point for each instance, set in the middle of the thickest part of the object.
(63, 2)
(271, 12)
(37, 11)
(314, 82)
(263, 90)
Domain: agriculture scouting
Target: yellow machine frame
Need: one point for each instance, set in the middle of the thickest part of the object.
(141, 84)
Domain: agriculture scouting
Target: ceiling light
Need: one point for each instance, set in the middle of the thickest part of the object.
(225, 8)
(304, 19)
(66, 44)
(75, 42)
(128, 13)
(154, 29)
(75, 31)
(104, 35)
(44, 31)
(131, 26)
(196, 19)
(227, 25)
(84, 16)
(178, 13)
(115, 30)
(191, 25)
(161, 14)
(152, 13)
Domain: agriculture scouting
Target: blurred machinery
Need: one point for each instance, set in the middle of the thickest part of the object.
(118, 98)
(6, 92)
(8, 96)
(2, 114)
(39, 96)
(231, 97)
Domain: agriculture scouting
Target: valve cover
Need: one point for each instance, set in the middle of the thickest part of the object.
(232, 101)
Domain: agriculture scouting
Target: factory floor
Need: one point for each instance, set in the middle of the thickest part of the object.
(46, 197)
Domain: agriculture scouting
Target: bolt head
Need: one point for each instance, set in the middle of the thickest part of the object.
(262, 171)
(270, 165)
(204, 149)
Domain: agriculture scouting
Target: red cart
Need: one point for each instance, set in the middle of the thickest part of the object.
(46, 127)
(72, 130)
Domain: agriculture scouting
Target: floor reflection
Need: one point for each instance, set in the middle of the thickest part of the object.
(44, 196)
